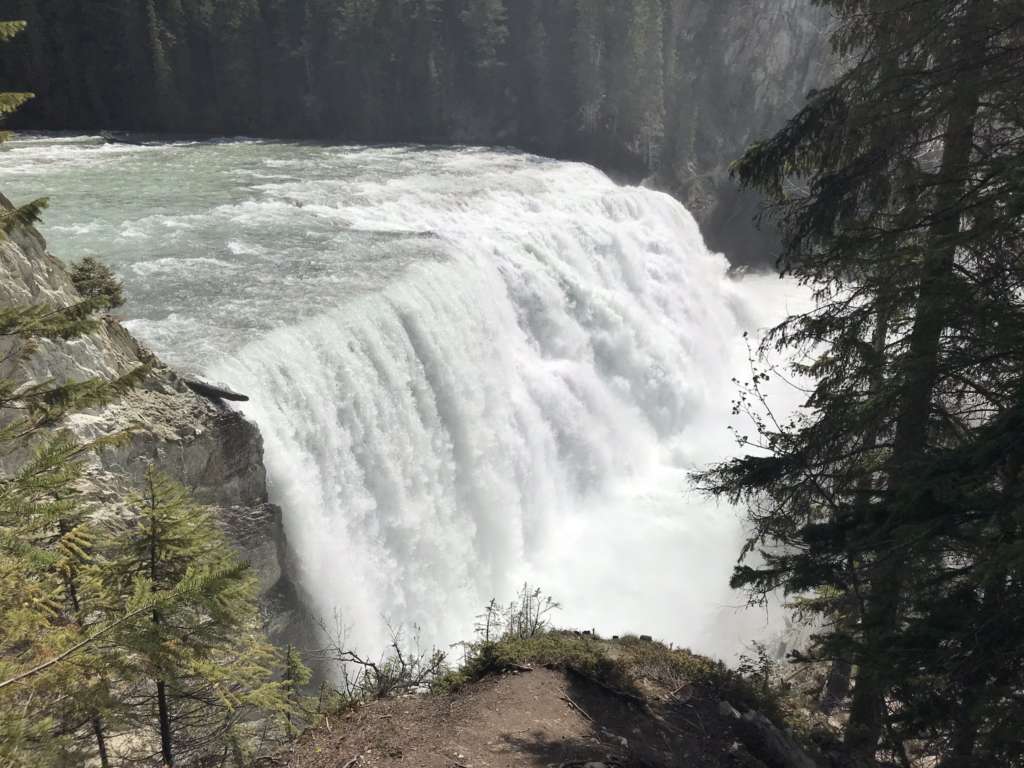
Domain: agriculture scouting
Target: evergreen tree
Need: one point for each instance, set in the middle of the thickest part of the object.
(484, 21)
(9, 102)
(294, 678)
(203, 660)
(894, 497)
(73, 601)
(236, 54)
(589, 53)
(97, 282)
(28, 213)
(46, 542)
(37, 728)
(633, 86)
(165, 92)
(644, 114)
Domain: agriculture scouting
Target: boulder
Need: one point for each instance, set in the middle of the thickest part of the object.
(764, 740)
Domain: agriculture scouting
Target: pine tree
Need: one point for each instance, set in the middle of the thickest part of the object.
(65, 529)
(644, 109)
(295, 676)
(165, 91)
(73, 602)
(484, 21)
(9, 102)
(236, 53)
(28, 213)
(897, 190)
(34, 728)
(46, 542)
(203, 660)
(589, 55)
(96, 282)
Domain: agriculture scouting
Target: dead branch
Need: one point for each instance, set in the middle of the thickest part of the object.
(577, 707)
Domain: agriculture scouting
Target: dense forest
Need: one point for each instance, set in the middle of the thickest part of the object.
(642, 88)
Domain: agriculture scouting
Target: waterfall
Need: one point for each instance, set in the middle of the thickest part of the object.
(470, 367)
(524, 403)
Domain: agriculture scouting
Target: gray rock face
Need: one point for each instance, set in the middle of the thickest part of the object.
(753, 62)
(212, 450)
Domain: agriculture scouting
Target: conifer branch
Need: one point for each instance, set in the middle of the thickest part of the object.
(89, 640)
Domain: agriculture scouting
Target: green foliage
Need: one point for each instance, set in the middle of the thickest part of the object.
(9, 104)
(557, 649)
(22, 216)
(295, 676)
(526, 616)
(501, 645)
(100, 605)
(97, 282)
(502, 632)
(484, 21)
(8, 29)
(37, 560)
(618, 664)
(52, 609)
(892, 502)
(26, 407)
(761, 668)
(202, 661)
(94, 616)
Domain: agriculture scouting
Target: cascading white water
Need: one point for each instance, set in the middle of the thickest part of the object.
(437, 442)
(470, 369)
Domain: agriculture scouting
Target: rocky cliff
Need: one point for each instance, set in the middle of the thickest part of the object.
(209, 448)
(751, 64)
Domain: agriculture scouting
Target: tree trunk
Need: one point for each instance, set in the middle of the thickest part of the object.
(837, 686)
(71, 585)
(166, 748)
(101, 741)
(165, 725)
(920, 373)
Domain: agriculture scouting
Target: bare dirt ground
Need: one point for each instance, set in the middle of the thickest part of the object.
(538, 718)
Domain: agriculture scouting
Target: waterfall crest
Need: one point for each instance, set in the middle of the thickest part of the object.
(558, 363)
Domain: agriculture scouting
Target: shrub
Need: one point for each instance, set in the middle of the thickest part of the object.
(97, 282)
(760, 669)
(403, 668)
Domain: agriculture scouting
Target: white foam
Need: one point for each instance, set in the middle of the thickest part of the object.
(239, 248)
(511, 411)
(192, 267)
(470, 367)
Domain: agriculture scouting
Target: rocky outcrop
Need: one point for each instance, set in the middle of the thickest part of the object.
(211, 449)
(773, 747)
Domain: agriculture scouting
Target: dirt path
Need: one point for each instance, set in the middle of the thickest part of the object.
(537, 719)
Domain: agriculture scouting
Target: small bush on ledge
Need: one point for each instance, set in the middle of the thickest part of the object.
(97, 282)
